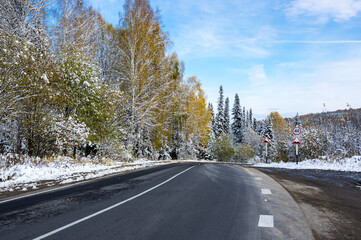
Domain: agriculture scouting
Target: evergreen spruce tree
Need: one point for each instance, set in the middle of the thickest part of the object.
(220, 114)
(237, 121)
(212, 136)
(210, 108)
(250, 116)
(244, 120)
(259, 128)
(247, 119)
(226, 122)
(211, 141)
(297, 121)
(244, 116)
(254, 124)
(268, 129)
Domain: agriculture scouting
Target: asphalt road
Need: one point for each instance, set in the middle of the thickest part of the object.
(182, 201)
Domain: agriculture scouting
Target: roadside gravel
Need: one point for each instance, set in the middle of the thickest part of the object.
(330, 200)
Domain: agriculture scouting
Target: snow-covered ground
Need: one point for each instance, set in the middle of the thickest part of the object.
(62, 170)
(31, 175)
(352, 164)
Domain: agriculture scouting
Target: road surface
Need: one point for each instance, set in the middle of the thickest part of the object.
(180, 201)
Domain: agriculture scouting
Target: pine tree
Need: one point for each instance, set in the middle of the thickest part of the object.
(237, 121)
(226, 122)
(259, 128)
(247, 119)
(220, 114)
(297, 121)
(212, 139)
(250, 116)
(210, 108)
(268, 129)
(244, 122)
(254, 124)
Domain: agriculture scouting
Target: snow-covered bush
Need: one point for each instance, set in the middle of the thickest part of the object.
(8, 133)
(282, 151)
(253, 139)
(163, 154)
(222, 148)
(314, 143)
(69, 133)
(113, 147)
(243, 152)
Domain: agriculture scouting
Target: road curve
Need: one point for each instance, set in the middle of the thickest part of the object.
(179, 201)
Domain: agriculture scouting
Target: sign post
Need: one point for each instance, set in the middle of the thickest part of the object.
(296, 131)
(266, 141)
(296, 142)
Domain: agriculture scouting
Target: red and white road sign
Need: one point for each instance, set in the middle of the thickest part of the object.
(296, 141)
(266, 140)
(296, 131)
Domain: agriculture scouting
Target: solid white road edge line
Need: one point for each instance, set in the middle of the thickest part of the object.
(108, 208)
(266, 191)
(265, 221)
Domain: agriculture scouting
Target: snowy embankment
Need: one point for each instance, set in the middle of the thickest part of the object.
(30, 175)
(352, 164)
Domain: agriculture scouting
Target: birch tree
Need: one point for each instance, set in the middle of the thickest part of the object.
(143, 75)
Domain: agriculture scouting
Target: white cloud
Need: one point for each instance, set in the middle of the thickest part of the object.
(325, 10)
(340, 82)
(333, 83)
(286, 64)
(257, 75)
(216, 29)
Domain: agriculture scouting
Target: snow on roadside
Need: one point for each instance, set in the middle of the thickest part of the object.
(62, 170)
(352, 164)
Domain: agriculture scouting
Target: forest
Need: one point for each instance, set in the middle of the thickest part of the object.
(72, 84)
(237, 136)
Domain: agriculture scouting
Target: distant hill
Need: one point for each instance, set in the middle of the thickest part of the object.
(353, 115)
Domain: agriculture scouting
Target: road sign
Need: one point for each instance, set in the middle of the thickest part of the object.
(296, 141)
(266, 140)
(296, 131)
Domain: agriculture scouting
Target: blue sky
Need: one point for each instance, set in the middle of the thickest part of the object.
(286, 56)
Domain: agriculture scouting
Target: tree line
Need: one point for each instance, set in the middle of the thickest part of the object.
(71, 83)
(238, 136)
(329, 135)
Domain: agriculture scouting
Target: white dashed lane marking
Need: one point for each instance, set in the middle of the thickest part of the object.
(266, 191)
(265, 221)
(258, 178)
